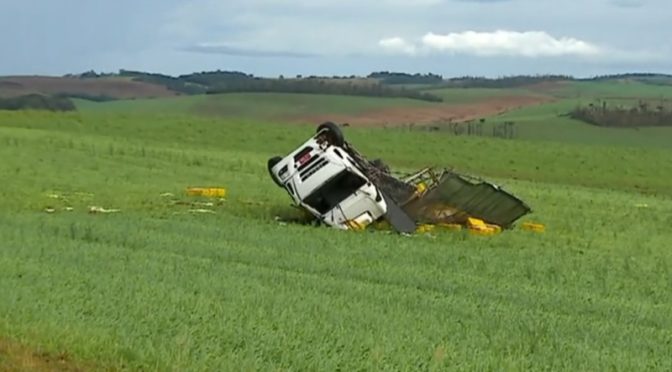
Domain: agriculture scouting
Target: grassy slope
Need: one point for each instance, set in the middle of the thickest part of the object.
(548, 122)
(117, 87)
(149, 288)
(545, 122)
(611, 89)
(254, 105)
(470, 95)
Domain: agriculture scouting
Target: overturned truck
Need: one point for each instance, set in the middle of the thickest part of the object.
(327, 177)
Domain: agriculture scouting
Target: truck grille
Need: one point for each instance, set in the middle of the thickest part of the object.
(311, 166)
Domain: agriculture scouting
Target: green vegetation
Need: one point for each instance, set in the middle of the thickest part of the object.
(553, 121)
(316, 86)
(260, 106)
(505, 81)
(472, 95)
(217, 82)
(155, 287)
(641, 115)
(625, 89)
(37, 102)
(387, 77)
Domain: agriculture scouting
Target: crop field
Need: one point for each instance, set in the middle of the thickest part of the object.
(612, 89)
(255, 105)
(224, 285)
(548, 122)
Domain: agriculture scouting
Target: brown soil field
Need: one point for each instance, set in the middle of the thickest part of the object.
(112, 87)
(434, 115)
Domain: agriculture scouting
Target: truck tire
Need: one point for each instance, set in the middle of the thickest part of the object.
(334, 134)
(270, 164)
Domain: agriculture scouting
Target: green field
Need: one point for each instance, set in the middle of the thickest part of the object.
(156, 287)
(253, 105)
(549, 122)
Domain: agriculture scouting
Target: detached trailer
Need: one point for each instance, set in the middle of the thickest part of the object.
(337, 185)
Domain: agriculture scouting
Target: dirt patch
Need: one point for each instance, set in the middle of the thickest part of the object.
(109, 87)
(437, 114)
(15, 357)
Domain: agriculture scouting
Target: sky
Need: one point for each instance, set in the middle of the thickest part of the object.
(337, 37)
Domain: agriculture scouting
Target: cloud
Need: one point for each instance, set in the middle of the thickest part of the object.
(509, 43)
(210, 48)
(397, 45)
(529, 44)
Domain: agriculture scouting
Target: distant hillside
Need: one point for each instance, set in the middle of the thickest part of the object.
(36, 102)
(127, 84)
(646, 78)
(392, 78)
(219, 82)
(94, 88)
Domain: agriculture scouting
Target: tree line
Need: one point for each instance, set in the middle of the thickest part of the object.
(37, 102)
(393, 78)
(218, 82)
(643, 114)
(503, 82)
(321, 87)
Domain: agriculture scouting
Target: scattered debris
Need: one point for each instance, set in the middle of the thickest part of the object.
(531, 226)
(49, 210)
(479, 227)
(201, 210)
(97, 209)
(204, 204)
(206, 191)
(167, 195)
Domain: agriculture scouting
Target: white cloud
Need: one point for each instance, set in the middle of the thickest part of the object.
(397, 45)
(509, 43)
(497, 43)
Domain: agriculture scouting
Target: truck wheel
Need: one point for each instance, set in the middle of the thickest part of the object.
(334, 134)
(270, 164)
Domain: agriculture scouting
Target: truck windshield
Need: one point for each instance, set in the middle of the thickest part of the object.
(334, 191)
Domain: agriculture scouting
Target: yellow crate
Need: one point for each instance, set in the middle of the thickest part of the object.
(531, 226)
(212, 192)
(450, 226)
(479, 227)
(424, 228)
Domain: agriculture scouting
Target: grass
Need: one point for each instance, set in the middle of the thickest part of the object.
(472, 95)
(156, 288)
(612, 89)
(260, 106)
(549, 122)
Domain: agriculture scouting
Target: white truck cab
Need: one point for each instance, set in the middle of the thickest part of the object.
(323, 178)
